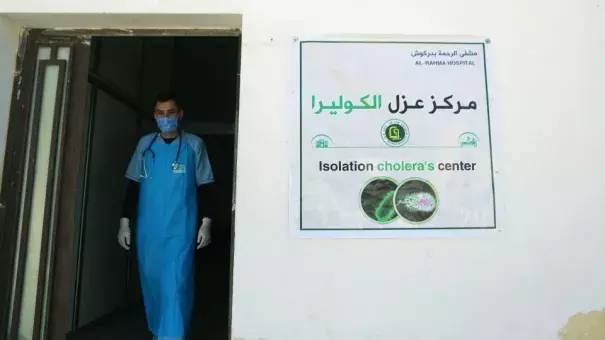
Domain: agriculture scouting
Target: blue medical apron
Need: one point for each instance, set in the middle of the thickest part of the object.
(166, 238)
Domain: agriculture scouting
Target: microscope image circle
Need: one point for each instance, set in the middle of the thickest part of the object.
(376, 200)
(416, 201)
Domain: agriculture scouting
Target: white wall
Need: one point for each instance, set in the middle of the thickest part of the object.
(9, 38)
(523, 283)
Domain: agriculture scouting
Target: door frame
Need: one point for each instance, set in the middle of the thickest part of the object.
(20, 158)
(68, 190)
(11, 192)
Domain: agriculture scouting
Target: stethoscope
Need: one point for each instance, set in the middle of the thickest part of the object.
(175, 164)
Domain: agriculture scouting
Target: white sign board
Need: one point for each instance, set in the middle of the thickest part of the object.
(394, 136)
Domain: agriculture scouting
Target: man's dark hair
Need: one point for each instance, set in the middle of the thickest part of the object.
(165, 96)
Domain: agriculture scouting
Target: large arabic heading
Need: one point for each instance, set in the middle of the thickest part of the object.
(399, 105)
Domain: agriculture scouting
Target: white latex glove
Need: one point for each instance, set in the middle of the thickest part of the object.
(124, 233)
(203, 235)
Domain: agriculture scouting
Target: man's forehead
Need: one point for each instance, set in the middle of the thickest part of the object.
(165, 106)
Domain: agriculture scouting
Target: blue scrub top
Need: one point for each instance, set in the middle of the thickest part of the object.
(203, 170)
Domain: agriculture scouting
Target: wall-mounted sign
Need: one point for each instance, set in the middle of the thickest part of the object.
(394, 136)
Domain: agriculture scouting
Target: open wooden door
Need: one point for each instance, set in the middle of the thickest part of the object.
(38, 197)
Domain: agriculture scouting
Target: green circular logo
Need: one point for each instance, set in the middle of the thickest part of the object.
(395, 133)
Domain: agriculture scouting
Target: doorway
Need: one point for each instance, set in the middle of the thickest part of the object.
(89, 281)
(124, 76)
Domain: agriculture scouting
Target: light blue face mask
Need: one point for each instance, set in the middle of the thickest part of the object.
(168, 124)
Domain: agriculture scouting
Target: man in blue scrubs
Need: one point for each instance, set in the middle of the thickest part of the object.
(168, 177)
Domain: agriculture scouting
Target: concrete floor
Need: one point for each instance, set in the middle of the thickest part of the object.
(119, 326)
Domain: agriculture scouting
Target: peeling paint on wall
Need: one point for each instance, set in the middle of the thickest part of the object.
(590, 326)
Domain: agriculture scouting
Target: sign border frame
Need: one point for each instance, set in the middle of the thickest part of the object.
(352, 232)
